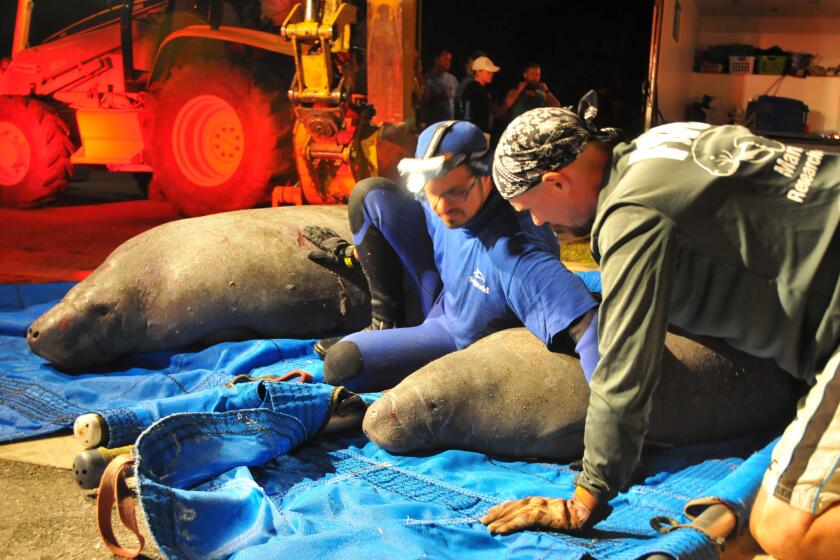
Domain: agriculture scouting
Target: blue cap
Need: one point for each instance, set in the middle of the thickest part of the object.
(444, 146)
(460, 137)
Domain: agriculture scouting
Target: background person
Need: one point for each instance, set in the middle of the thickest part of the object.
(439, 90)
(465, 81)
(477, 102)
(530, 93)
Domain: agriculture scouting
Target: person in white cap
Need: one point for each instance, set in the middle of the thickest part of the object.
(465, 81)
(476, 100)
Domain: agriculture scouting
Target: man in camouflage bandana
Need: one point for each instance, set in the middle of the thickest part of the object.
(545, 140)
(719, 232)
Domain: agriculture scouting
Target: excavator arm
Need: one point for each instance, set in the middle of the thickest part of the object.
(334, 140)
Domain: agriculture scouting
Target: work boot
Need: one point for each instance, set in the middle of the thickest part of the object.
(383, 271)
(322, 346)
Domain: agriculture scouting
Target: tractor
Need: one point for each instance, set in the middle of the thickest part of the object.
(220, 105)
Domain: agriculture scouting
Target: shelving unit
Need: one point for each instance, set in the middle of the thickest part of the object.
(820, 93)
(689, 26)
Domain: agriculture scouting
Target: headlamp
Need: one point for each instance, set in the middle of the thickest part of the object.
(420, 170)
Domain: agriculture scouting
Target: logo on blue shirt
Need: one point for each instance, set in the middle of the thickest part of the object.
(477, 280)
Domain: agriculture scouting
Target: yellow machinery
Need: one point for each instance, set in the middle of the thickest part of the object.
(334, 144)
(194, 95)
(334, 140)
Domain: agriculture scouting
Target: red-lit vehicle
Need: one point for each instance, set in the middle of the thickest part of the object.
(218, 105)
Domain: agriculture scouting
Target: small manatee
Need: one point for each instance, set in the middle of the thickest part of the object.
(507, 395)
(227, 276)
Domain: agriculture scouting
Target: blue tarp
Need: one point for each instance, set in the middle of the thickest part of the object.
(253, 483)
(249, 478)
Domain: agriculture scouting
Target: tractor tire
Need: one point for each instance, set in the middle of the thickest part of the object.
(216, 139)
(35, 152)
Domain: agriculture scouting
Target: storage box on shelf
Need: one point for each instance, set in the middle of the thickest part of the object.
(741, 64)
(771, 64)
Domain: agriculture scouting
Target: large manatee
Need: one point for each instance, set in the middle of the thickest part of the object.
(227, 276)
(508, 395)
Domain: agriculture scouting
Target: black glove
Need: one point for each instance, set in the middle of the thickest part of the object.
(335, 251)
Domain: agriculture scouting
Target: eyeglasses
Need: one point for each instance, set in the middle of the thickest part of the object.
(458, 194)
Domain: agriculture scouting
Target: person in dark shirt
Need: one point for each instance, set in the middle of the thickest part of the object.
(476, 101)
(531, 93)
(719, 232)
(468, 78)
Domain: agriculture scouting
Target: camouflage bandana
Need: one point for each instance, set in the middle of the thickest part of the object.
(542, 140)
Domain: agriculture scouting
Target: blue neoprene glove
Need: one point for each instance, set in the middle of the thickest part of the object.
(587, 348)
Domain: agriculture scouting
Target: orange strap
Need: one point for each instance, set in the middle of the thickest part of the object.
(114, 490)
(303, 375)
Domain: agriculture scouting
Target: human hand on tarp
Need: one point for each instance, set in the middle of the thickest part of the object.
(574, 515)
(335, 250)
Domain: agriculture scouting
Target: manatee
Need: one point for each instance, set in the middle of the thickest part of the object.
(227, 276)
(508, 395)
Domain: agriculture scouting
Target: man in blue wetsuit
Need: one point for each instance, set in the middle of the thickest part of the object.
(478, 267)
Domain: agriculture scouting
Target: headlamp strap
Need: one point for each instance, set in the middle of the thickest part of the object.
(441, 131)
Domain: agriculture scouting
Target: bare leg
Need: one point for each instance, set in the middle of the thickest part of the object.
(790, 534)
(795, 513)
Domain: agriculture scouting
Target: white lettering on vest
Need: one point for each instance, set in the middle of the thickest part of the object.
(806, 176)
(787, 164)
(477, 280)
(652, 144)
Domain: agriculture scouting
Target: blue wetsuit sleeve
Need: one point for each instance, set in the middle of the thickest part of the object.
(587, 348)
(545, 295)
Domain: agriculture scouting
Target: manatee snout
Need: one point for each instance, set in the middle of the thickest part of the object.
(33, 333)
(54, 336)
(382, 424)
(70, 337)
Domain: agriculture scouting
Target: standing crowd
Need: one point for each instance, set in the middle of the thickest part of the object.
(443, 97)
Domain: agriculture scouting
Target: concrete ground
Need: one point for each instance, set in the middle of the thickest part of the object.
(45, 514)
(70, 237)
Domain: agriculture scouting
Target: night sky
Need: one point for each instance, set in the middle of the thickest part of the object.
(581, 45)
